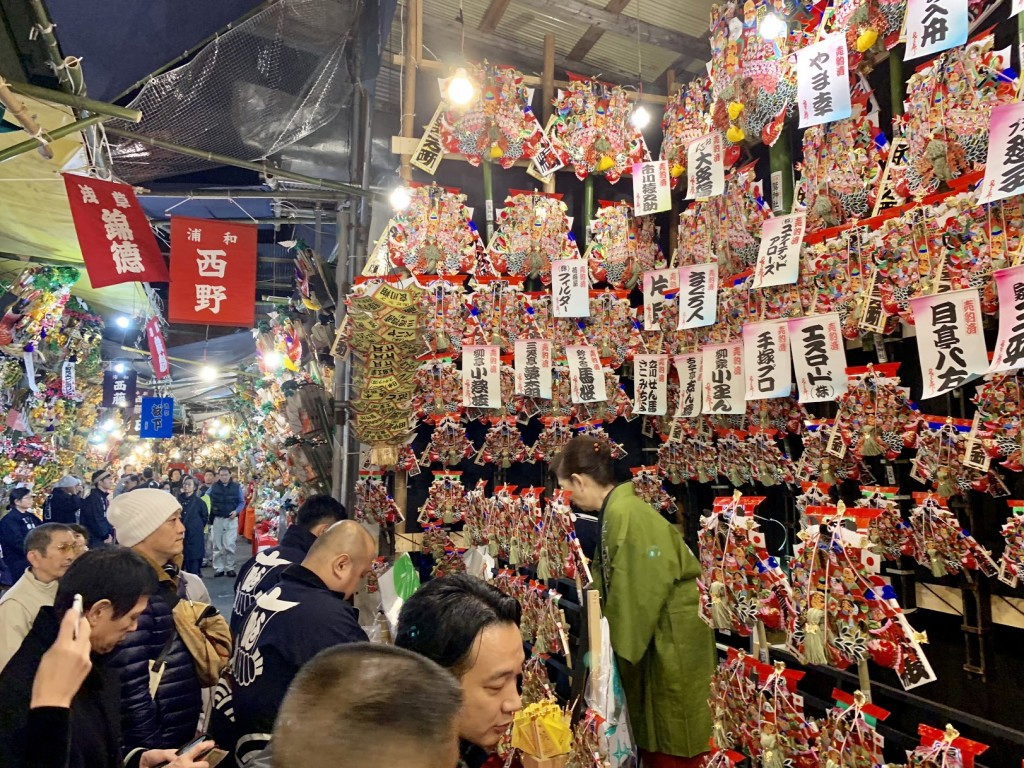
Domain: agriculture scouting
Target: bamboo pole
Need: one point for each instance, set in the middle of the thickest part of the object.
(896, 79)
(488, 172)
(264, 168)
(76, 102)
(243, 194)
(588, 207)
(48, 137)
(548, 93)
(780, 158)
(17, 108)
(413, 53)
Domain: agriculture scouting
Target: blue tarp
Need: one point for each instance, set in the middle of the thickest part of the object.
(122, 41)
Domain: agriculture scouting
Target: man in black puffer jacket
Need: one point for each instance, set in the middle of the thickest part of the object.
(160, 690)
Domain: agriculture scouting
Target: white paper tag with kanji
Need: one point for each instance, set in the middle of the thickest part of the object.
(481, 376)
(950, 341)
(533, 368)
(705, 167)
(656, 283)
(722, 374)
(1004, 168)
(1009, 351)
(652, 188)
(778, 257)
(766, 360)
(818, 357)
(934, 26)
(698, 296)
(570, 288)
(650, 385)
(823, 82)
(688, 369)
(585, 374)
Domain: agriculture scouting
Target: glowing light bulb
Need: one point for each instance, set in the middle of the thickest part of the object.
(123, 321)
(400, 198)
(207, 373)
(772, 27)
(109, 425)
(460, 89)
(640, 118)
(119, 368)
(272, 359)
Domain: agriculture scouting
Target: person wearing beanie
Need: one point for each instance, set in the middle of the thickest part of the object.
(94, 509)
(159, 710)
(65, 503)
(14, 527)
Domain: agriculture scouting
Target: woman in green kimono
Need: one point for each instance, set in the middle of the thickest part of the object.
(647, 579)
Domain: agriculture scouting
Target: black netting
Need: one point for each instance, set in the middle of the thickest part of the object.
(257, 88)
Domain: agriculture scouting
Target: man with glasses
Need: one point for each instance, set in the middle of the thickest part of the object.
(50, 549)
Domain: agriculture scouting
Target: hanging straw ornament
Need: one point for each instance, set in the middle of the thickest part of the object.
(498, 125)
(592, 124)
(437, 389)
(877, 418)
(788, 736)
(999, 400)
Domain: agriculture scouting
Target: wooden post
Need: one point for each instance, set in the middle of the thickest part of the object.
(780, 158)
(673, 224)
(864, 678)
(413, 53)
(896, 79)
(588, 208)
(548, 93)
(488, 172)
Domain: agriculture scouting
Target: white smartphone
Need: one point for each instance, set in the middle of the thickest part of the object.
(76, 607)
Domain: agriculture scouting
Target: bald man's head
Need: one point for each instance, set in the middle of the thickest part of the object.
(342, 556)
(349, 707)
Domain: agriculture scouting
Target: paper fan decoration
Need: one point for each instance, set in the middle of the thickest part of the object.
(498, 124)
(624, 246)
(592, 124)
(533, 230)
(686, 117)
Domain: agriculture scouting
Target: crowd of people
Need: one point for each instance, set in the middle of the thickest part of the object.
(112, 654)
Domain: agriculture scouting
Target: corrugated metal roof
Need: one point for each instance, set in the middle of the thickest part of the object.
(616, 53)
(690, 16)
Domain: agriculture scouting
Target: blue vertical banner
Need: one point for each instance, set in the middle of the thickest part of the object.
(157, 417)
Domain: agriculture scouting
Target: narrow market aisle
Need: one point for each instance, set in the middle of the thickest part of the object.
(222, 590)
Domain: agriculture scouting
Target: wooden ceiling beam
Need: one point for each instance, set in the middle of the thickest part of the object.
(578, 12)
(593, 34)
(493, 15)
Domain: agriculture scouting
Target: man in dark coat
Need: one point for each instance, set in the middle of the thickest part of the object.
(194, 516)
(226, 504)
(149, 521)
(94, 509)
(14, 527)
(114, 584)
(304, 614)
(259, 574)
(65, 502)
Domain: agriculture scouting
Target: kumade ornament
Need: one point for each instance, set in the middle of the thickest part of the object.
(446, 500)
(503, 445)
(443, 306)
(498, 124)
(373, 502)
(1011, 564)
(623, 246)
(941, 450)
(592, 124)
(847, 738)
(888, 532)
(553, 437)
(647, 485)
(846, 613)
(735, 705)
(435, 235)
(437, 389)
(533, 230)
(942, 544)
(999, 400)
(686, 118)
(944, 749)
(787, 737)
(448, 442)
(875, 416)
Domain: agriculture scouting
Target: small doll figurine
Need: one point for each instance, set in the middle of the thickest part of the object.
(814, 631)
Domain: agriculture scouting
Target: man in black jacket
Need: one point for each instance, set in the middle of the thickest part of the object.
(226, 503)
(94, 509)
(258, 575)
(304, 614)
(65, 502)
(160, 690)
(114, 584)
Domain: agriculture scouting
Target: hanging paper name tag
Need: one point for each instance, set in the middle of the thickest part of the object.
(586, 374)
(823, 82)
(30, 368)
(67, 379)
(533, 368)
(429, 151)
(818, 357)
(934, 26)
(950, 342)
(570, 289)
(481, 376)
(705, 167)
(547, 159)
(722, 374)
(698, 296)
(778, 257)
(652, 188)
(1004, 169)
(656, 283)
(766, 359)
(650, 379)
(688, 369)
(1009, 352)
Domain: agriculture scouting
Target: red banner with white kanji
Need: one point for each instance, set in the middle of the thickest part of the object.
(116, 241)
(213, 272)
(157, 349)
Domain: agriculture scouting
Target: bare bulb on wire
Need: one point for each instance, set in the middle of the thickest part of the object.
(400, 198)
(460, 89)
(640, 118)
(772, 27)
